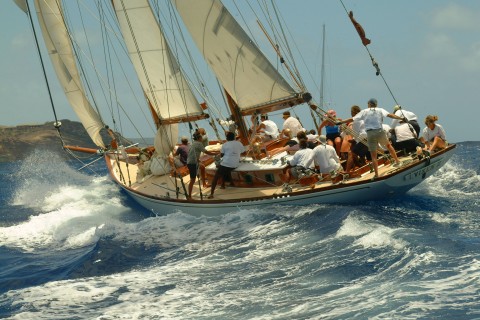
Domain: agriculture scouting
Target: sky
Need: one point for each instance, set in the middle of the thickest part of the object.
(428, 52)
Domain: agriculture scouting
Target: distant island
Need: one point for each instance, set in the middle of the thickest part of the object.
(16, 143)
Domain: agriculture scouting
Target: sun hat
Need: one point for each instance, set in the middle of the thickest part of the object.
(322, 139)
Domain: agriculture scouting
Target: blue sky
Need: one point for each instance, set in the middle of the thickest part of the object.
(428, 51)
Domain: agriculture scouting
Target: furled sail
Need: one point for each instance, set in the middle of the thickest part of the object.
(60, 50)
(158, 70)
(243, 70)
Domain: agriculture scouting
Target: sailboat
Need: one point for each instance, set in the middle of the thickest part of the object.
(251, 85)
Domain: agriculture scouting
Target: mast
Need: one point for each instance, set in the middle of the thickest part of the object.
(322, 73)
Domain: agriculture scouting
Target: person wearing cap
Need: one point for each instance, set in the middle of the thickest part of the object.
(410, 116)
(194, 164)
(291, 123)
(332, 130)
(268, 128)
(182, 153)
(325, 157)
(373, 120)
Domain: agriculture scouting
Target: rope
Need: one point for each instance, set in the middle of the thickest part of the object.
(374, 63)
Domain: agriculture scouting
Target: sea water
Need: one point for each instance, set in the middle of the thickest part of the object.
(74, 246)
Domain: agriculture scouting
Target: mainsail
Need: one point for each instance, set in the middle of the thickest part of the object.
(60, 50)
(243, 70)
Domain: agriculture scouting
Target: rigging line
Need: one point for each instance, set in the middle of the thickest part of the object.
(44, 72)
(169, 142)
(277, 15)
(74, 45)
(278, 39)
(109, 101)
(374, 63)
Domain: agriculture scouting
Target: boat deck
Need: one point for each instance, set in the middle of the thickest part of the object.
(166, 186)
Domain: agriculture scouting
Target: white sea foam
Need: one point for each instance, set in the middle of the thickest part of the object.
(69, 212)
(452, 181)
(369, 234)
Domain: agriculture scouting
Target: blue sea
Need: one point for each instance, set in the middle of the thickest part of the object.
(74, 246)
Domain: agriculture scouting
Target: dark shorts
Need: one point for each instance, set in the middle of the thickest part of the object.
(333, 136)
(193, 170)
(225, 173)
(360, 149)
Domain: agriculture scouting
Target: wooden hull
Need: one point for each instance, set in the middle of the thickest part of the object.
(164, 194)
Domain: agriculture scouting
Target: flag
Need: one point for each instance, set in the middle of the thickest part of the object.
(360, 30)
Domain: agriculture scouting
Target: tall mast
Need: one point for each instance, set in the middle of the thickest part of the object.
(322, 73)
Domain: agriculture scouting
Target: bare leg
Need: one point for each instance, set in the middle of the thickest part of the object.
(190, 188)
(203, 175)
(392, 152)
(374, 161)
(437, 143)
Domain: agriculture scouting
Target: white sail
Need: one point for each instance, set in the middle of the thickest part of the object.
(158, 71)
(60, 50)
(243, 70)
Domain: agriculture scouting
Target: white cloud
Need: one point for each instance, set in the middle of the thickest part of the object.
(456, 17)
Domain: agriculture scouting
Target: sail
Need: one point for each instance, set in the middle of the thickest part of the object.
(159, 73)
(60, 50)
(243, 70)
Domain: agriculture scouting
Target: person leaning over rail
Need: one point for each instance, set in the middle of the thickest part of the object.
(373, 120)
(433, 135)
(325, 158)
(411, 117)
(231, 151)
(301, 161)
(332, 130)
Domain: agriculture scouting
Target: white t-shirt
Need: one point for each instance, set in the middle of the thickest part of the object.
(359, 128)
(403, 113)
(428, 134)
(231, 153)
(403, 132)
(293, 124)
(326, 158)
(372, 117)
(303, 158)
(270, 129)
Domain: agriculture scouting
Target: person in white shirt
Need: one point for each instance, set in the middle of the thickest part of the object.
(359, 150)
(231, 151)
(325, 157)
(405, 137)
(302, 160)
(267, 128)
(373, 120)
(291, 123)
(433, 135)
(411, 117)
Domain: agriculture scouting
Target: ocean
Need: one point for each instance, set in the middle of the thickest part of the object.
(74, 246)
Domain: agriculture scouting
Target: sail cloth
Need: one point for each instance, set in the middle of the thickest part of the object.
(160, 76)
(60, 50)
(243, 70)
